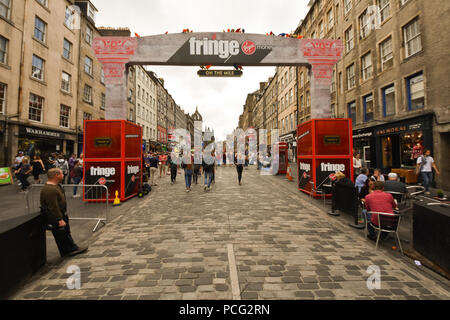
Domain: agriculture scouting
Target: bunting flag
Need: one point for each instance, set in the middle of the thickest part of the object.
(136, 35)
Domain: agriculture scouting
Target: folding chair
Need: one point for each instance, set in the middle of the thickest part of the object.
(400, 198)
(388, 222)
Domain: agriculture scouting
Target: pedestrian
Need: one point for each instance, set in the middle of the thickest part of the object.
(23, 173)
(377, 176)
(71, 162)
(173, 170)
(425, 166)
(361, 179)
(208, 170)
(38, 168)
(77, 175)
(239, 169)
(197, 172)
(153, 169)
(54, 207)
(357, 164)
(62, 164)
(188, 170)
(162, 164)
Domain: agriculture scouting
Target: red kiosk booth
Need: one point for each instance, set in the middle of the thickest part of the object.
(112, 157)
(324, 146)
(283, 157)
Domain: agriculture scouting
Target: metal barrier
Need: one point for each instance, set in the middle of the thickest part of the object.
(82, 207)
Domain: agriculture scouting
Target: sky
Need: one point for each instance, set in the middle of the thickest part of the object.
(219, 100)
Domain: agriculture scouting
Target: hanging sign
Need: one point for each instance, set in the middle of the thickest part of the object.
(219, 73)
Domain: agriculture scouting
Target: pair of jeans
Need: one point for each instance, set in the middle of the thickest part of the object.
(76, 180)
(196, 175)
(427, 178)
(208, 178)
(153, 171)
(173, 174)
(188, 178)
(24, 181)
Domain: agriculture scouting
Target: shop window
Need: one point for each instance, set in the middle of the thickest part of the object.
(368, 107)
(386, 145)
(389, 101)
(415, 88)
(35, 108)
(411, 147)
(352, 112)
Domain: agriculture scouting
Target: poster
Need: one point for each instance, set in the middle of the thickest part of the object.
(6, 176)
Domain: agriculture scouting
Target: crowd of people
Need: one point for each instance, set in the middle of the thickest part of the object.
(25, 166)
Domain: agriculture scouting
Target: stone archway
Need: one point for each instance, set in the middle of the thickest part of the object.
(218, 49)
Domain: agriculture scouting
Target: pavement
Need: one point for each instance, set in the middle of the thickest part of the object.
(261, 240)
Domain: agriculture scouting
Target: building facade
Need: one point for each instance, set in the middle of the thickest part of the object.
(391, 80)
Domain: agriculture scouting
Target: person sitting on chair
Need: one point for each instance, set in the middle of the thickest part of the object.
(378, 201)
(394, 185)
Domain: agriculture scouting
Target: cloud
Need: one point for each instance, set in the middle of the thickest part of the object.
(220, 101)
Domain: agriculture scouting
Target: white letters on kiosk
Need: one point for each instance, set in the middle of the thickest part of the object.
(107, 172)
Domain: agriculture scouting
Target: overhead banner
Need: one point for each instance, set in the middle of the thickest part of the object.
(219, 73)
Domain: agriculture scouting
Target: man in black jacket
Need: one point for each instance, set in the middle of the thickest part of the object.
(208, 170)
(394, 185)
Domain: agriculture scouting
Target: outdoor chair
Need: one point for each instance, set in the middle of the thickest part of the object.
(388, 222)
(400, 198)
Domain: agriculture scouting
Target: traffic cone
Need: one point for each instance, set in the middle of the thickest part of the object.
(117, 200)
(288, 173)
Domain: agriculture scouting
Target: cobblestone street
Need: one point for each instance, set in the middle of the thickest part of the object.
(178, 245)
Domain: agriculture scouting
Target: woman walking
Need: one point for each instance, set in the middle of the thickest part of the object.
(188, 174)
(76, 174)
(38, 168)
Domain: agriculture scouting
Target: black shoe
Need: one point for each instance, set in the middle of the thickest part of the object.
(77, 251)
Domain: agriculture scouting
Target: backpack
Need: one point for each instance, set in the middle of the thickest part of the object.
(423, 161)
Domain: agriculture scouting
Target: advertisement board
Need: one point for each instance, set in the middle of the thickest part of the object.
(6, 176)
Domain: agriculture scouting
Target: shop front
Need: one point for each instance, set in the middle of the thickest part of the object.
(43, 142)
(364, 144)
(400, 143)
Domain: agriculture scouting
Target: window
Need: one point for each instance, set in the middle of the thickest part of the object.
(308, 101)
(385, 11)
(37, 70)
(333, 82)
(366, 66)
(5, 7)
(389, 101)
(321, 30)
(91, 12)
(347, 6)
(415, 88)
(387, 57)
(291, 96)
(364, 25)
(65, 82)
(368, 107)
(68, 18)
(349, 39)
(3, 50)
(352, 112)
(282, 103)
(301, 80)
(39, 29)
(67, 49)
(88, 65)
(88, 37)
(330, 19)
(413, 42)
(64, 116)
(102, 76)
(43, 2)
(333, 110)
(103, 102)
(35, 108)
(87, 116)
(2, 98)
(87, 96)
(351, 79)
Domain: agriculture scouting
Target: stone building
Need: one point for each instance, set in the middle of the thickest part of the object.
(39, 53)
(271, 107)
(392, 77)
